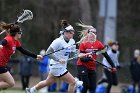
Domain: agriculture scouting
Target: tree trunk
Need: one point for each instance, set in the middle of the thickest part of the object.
(85, 11)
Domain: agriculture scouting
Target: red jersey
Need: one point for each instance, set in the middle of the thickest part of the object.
(89, 47)
(8, 49)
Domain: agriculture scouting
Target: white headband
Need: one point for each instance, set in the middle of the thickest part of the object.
(69, 28)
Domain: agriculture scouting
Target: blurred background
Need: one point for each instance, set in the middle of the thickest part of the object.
(117, 20)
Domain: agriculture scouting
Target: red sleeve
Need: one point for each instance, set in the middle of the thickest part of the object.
(101, 45)
(18, 44)
(81, 47)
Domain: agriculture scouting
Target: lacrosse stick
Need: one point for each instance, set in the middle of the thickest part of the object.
(102, 64)
(26, 15)
(90, 53)
(65, 47)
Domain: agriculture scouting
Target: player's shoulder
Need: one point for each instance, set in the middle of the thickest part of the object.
(97, 41)
(57, 39)
(99, 44)
(72, 40)
(8, 38)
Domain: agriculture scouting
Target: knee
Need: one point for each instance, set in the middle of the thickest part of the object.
(72, 83)
(11, 84)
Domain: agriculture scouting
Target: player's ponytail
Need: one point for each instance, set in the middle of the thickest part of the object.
(5, 26)
(10, 28)
(64, 23)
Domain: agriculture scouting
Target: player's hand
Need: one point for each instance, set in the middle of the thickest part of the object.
(1, 46)
(82, 55)
(39, 57)
(62, 61)
(90, 56)
(113, 70)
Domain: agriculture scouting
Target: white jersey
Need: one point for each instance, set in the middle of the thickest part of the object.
(60, 43)
(113, 56)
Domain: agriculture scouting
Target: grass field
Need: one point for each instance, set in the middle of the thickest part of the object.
(20, 91)
(12, 91)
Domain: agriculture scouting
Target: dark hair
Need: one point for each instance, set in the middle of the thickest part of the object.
(10, 28)
(115, 43)
(66, 27)
(64, 24)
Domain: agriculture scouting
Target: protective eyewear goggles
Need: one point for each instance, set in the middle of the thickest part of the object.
(20, 32)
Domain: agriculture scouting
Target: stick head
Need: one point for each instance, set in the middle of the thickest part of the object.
(26, 15)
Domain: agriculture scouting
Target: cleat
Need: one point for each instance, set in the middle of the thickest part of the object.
(27, 90)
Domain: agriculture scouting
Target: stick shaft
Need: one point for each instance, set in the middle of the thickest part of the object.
(93, 59)
(60, 49)
(2, 32)
(102, 64)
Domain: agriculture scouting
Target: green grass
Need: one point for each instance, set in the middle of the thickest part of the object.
(12, 91)
(18, 91)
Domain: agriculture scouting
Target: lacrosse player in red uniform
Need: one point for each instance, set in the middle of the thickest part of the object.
(86, 65)
(7, 47)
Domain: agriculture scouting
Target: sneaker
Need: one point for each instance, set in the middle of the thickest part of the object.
(27, 90)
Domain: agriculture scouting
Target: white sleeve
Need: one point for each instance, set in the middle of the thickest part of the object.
(117, 63)
(55, 44)
(74, 46)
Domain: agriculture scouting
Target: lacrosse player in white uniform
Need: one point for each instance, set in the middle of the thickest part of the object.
(58, 63)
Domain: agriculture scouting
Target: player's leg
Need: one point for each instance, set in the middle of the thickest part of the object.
(50, 80)
(83, 76)
(71, 81)
(6, 80)
(92, 80)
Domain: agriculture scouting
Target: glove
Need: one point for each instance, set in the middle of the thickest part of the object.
(113, 70)
(86, 59)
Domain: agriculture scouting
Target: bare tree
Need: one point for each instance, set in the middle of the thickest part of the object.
(85, 11)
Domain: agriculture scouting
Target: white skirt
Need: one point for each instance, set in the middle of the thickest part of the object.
(57, 71)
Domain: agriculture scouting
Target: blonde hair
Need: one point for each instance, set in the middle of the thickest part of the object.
(84, 31)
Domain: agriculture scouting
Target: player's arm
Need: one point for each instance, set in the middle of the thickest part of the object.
(73, 53)
(82, 54)
(85, 58)
(3, 42)
(51, 56)
(105, 54)
(26, 52)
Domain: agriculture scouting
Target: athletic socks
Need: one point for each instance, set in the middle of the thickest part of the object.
(78, 82)
(33, 90)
